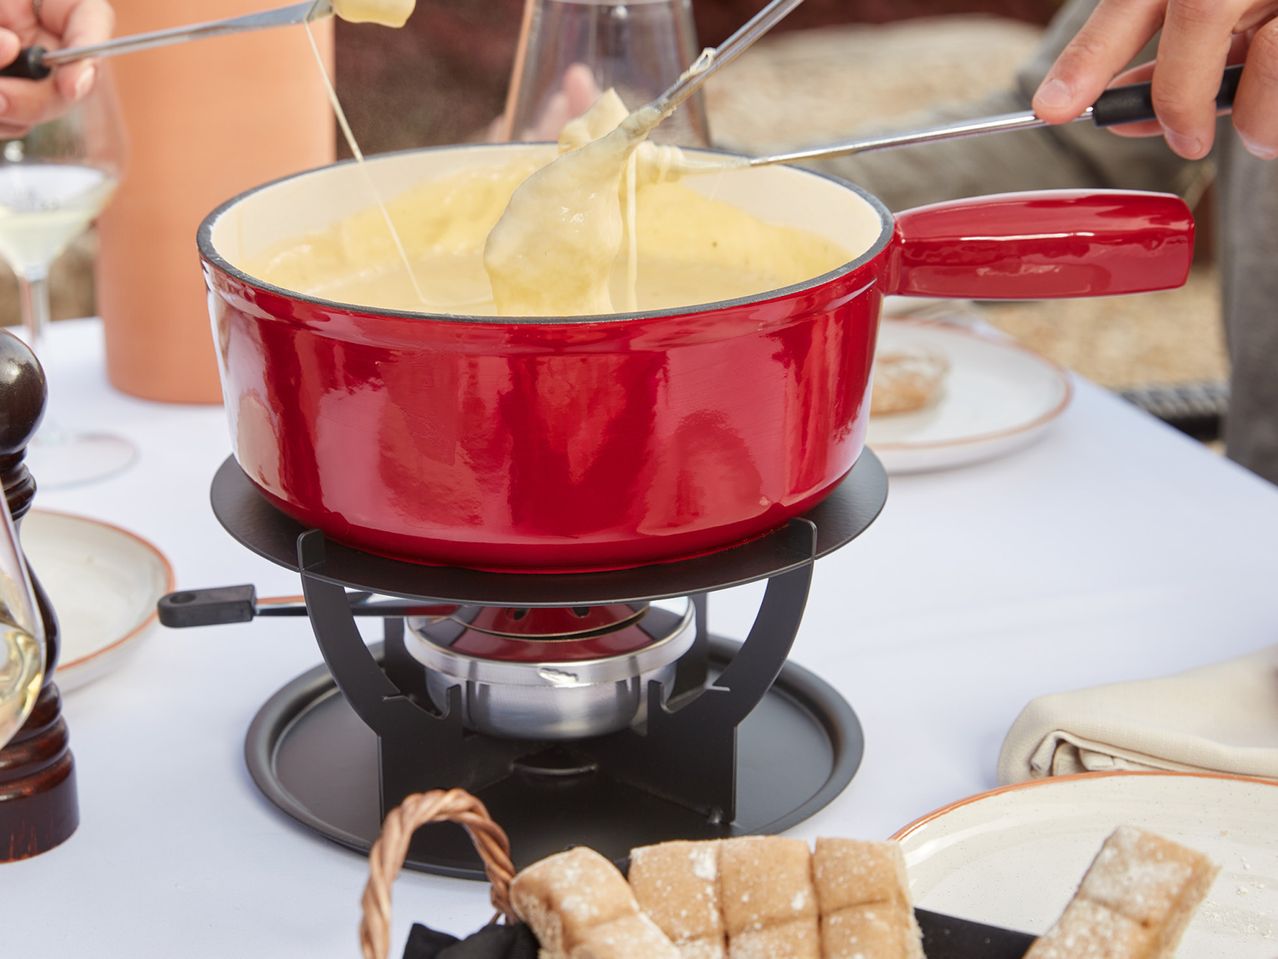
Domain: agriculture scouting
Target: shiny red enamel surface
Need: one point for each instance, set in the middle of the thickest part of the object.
(547, 445)
(604, 444)
(1025, 246)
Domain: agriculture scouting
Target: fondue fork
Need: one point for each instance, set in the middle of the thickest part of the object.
(240, 604)
(712, 60)
(36, 63)
(1127, 104)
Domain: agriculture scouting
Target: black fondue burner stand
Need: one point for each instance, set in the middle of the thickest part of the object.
(746, 742)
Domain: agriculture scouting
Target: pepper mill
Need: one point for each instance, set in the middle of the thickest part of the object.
(38, 805)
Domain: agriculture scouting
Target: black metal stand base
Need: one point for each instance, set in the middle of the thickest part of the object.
(313, 757)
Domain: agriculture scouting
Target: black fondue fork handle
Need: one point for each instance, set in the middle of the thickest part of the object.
(239, 604)
(29, 65)
(1135, 103)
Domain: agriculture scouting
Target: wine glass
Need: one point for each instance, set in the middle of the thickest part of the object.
(21, 634)
(53, 182)
(570, 49)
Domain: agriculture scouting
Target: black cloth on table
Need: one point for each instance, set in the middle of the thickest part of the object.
(491, 942)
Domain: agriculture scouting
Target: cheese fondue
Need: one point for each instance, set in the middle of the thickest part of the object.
(524, 239)
(388, 13)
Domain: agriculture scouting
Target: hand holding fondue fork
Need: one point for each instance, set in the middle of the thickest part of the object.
(48, 23)
(1197, 38)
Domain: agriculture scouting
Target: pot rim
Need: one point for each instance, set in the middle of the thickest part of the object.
(209, 253)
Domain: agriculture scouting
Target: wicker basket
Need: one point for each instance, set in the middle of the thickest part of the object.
(386, 858)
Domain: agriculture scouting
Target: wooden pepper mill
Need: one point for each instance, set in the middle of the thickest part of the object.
(38, 805)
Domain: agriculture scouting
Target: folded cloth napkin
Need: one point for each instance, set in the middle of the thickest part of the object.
(1221, 718)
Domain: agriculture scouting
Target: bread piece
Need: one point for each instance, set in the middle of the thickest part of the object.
(566, 895)
(864, 898)
(1150, 880)
(702, 949)
(630, 937)
(907, 380)
(1088, 930)
(767, 899)
(877, 930)
(797, 939)
(1134, 902)
(853, 872)
(677, 885)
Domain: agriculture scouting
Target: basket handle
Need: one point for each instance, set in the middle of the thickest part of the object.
(386, 858)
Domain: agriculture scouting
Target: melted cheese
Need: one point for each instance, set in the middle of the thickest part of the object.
(553, 250)
(388, 13)
(512, 239)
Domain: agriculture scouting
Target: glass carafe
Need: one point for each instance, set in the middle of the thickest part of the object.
(571, 50)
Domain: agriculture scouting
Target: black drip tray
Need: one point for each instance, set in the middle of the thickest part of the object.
(313, 758)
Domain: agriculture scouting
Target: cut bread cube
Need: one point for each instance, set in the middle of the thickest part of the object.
(566, 895)
(677, 885)
(765, 881)
(864, 898)
(874, 931)
(797, 939)
(702, 949)
(1089, 930)
(630, 937)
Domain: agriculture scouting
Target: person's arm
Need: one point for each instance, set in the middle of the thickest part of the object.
(53, 24)
(1198, 38)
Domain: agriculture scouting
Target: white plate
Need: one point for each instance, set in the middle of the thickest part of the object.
(997, 398)
(103, 582)
(1014, 856)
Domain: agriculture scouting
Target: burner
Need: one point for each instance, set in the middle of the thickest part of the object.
(582, 708)
(525, 674)
(317, 762)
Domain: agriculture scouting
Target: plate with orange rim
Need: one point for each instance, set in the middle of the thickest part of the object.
(1013, 856)
(997, 397)
(103, 581)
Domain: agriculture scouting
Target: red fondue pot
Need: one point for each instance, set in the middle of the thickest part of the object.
(601, 442)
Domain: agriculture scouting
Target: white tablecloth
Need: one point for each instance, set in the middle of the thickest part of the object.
(1113, 549)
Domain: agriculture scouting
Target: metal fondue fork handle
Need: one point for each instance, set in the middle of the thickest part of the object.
(1128, 104)
(36, 63)
(713, 60)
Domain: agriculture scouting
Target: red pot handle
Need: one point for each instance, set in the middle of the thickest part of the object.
(1052, 243)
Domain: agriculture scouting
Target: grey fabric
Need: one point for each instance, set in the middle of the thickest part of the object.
(1079, 155)
(1249, 275)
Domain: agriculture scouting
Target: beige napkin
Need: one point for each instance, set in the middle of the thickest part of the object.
(1221, 718)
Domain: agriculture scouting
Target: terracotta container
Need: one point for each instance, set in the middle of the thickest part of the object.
(205, 120)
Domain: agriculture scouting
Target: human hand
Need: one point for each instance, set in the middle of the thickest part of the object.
(54, 24)
(1199, 38)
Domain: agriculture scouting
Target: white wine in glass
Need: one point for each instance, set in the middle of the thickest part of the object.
(53, 183)
(22, 647)
(43, 207)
